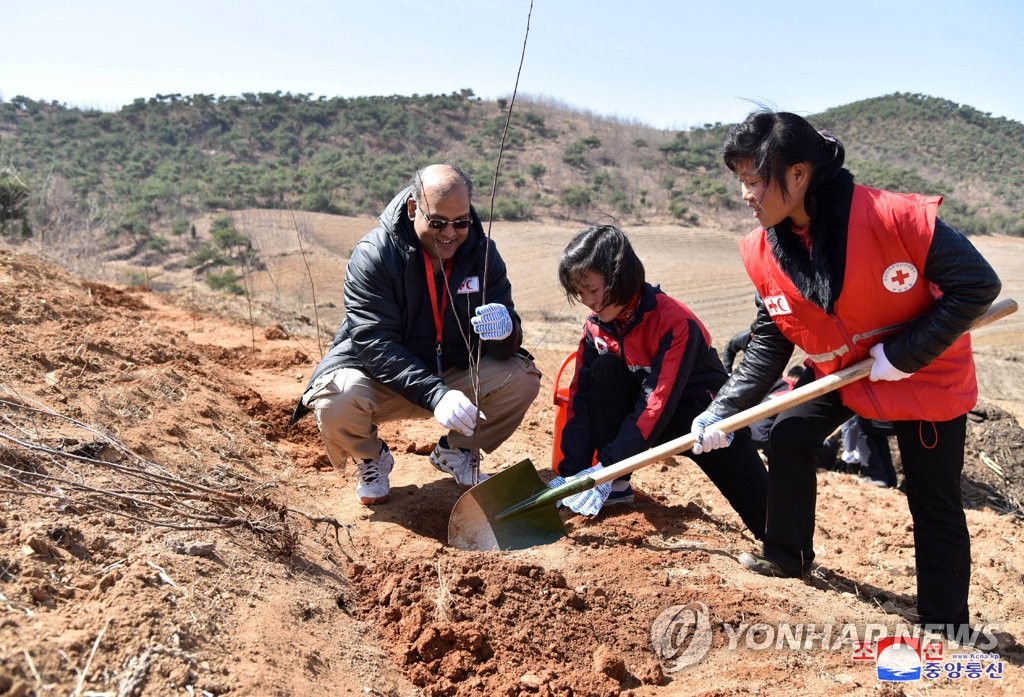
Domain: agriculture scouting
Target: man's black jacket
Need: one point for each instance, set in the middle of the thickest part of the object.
(388, 331)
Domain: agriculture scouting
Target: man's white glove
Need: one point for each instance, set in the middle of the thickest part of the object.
(587, 502)
(492, 322)
(455, 412)
(882, 368)
(708, 438)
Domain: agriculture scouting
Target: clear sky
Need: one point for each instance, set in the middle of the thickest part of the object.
(668, 64)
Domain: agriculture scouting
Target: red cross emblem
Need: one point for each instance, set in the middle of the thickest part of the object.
(777, 305)
(900, 277)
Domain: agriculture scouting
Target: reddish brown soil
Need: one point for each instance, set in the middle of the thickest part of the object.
(163, 532)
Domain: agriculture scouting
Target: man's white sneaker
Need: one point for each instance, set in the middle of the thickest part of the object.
(457, 462)
(372, 486)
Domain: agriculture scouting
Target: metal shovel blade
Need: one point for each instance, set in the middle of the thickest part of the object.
(473, 524)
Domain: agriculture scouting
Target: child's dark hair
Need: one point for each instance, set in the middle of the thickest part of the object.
(774, 140)
(606, 250)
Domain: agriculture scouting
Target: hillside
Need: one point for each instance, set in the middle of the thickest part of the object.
(262, 195)
(915, 143)
(143, 174)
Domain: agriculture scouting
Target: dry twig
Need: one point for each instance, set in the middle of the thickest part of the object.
(88, 663)
(102, 474)
(443, 600)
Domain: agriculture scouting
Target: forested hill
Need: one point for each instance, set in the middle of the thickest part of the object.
(148, 170)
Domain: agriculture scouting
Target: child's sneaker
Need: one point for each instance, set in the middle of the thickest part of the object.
(458, 462)
(623, 496)
(372, 486)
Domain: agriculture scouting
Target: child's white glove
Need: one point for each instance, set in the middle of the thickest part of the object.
(587, 502)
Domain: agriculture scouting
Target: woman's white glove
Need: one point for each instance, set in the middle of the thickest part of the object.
(456, 413)
(882, 368)
(708, 438)
(587, 502)
(492, 322)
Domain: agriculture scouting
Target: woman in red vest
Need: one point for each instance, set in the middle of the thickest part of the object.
(844, 271)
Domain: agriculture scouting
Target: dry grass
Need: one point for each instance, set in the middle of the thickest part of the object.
(443, 600)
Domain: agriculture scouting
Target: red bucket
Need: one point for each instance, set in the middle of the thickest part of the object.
(562, 414)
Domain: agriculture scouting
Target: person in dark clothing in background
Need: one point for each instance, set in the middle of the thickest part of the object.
(866, 446)
(760, 430)
(737, 344)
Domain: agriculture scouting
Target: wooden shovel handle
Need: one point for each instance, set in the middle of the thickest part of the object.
(774, 406)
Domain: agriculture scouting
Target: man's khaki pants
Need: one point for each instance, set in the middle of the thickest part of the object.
(349, 405)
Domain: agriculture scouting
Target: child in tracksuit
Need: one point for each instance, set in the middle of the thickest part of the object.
(644, 369)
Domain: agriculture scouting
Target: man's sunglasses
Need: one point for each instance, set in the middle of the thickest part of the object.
(439, 224)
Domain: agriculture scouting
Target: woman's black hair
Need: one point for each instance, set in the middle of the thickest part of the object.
(774, 140)
(606, 250)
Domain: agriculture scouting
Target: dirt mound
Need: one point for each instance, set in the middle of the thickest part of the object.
(480, 624)
(994, 463)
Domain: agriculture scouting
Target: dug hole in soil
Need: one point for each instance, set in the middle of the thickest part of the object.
(165, 533)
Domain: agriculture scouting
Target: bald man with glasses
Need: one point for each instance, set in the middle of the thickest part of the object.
(419, 309)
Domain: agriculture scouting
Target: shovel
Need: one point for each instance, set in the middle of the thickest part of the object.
(514, 509)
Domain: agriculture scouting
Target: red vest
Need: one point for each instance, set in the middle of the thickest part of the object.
(884, 291)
